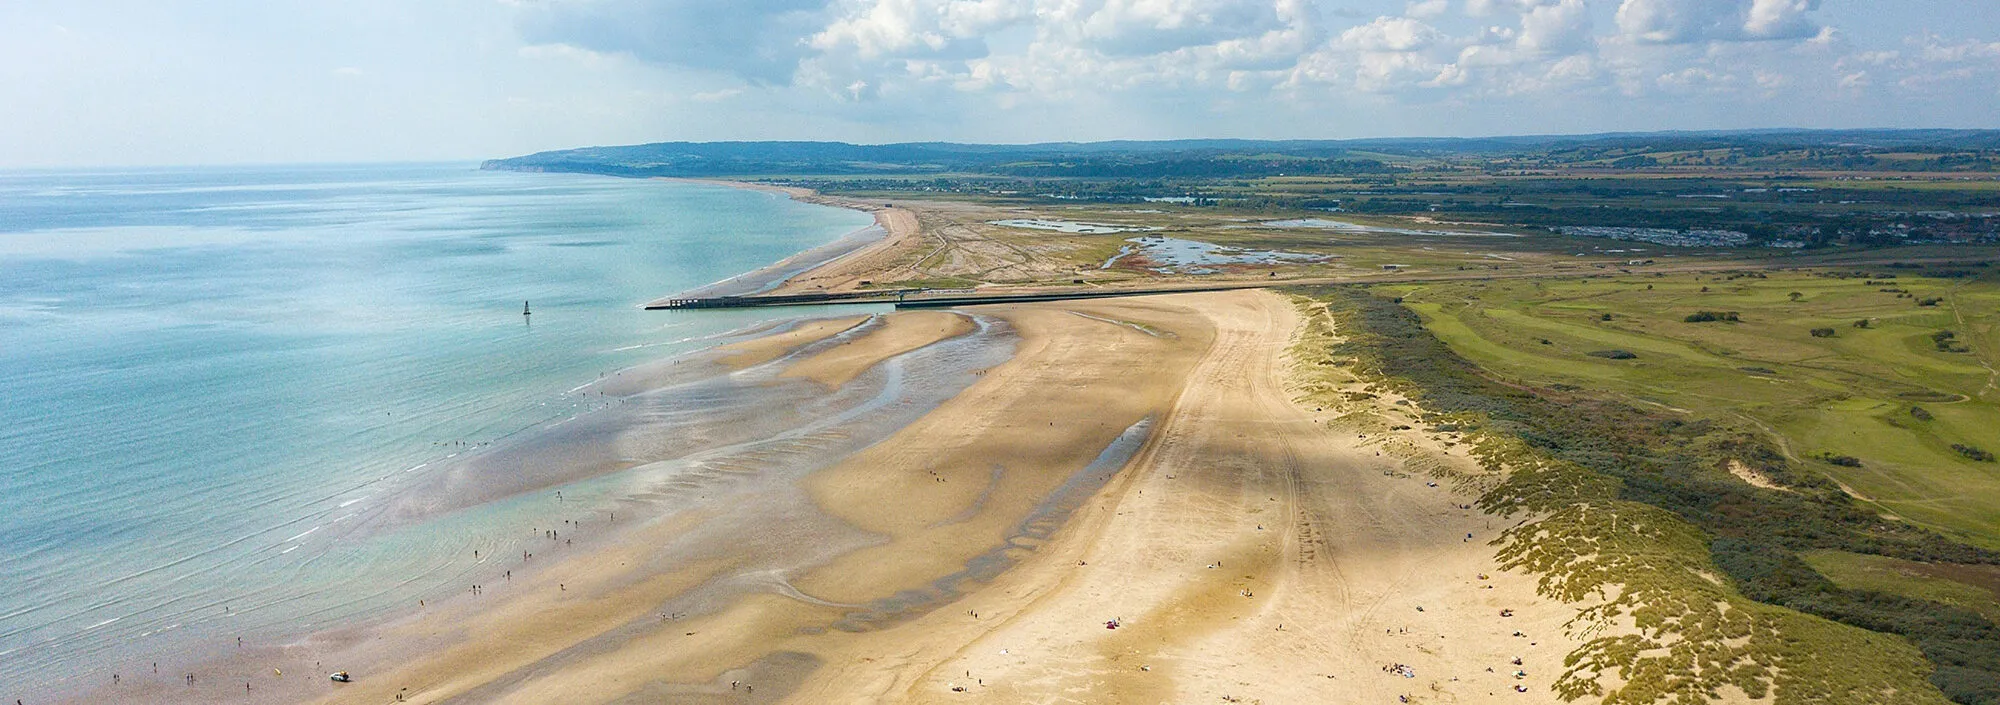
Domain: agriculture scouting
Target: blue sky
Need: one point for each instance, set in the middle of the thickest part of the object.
(116, 82)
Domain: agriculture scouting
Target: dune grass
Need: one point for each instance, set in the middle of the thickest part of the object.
(1638, 505)
(1887, 394)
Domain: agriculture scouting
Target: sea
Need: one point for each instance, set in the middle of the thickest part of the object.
(208, 376)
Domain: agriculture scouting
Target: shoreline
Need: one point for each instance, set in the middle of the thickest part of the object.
(185, 619)
(586, 558)
(738, 633)
(895, 224)
(977, 548)
(838, 489)
(320, 639)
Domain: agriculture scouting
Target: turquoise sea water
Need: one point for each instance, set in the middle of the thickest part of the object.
(208, 374)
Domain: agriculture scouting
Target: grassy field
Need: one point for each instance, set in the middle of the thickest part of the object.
(1976, 588)
(1889, 401)
(1632, 503)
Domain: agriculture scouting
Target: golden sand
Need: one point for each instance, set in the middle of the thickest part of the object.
(764, 349)
(1248, 551)
(899, 334)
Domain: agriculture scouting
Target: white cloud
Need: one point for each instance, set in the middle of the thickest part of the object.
(716, 96)
(1694, 77)
(1427, 9)
(1139, 27)
(954, 59)
(1690, 21)
(1668, 21)
(1780, 19)
(1485, 8)
(181, 82)
(909, 28)
(1878, 58)
(1391, 35)
(1573, 70)
(1028, 51)
(1056, 47)
(1937, 50)
(565, 52)
(1771, 80)
(1562, 26)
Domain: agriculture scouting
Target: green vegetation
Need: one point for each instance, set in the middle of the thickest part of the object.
(1712, 316)
(1947, 341)
(1789, 189)
(1975, 588)
(1851, 395)
(1636, 505)
(925, 283)
(1933, 151)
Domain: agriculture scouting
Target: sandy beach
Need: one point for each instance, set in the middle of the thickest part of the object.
(1048, 352)
(1242, 544)
(1248, 554)
(1122, 500)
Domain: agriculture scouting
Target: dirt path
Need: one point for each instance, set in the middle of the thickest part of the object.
(1976, 341)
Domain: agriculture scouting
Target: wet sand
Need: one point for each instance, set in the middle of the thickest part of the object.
(1250, 554)
(935, 495)
(902, 333)
(698, 463)
(767, 348)
(1141, 460)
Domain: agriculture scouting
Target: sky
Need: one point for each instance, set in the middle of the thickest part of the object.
(167, 82)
